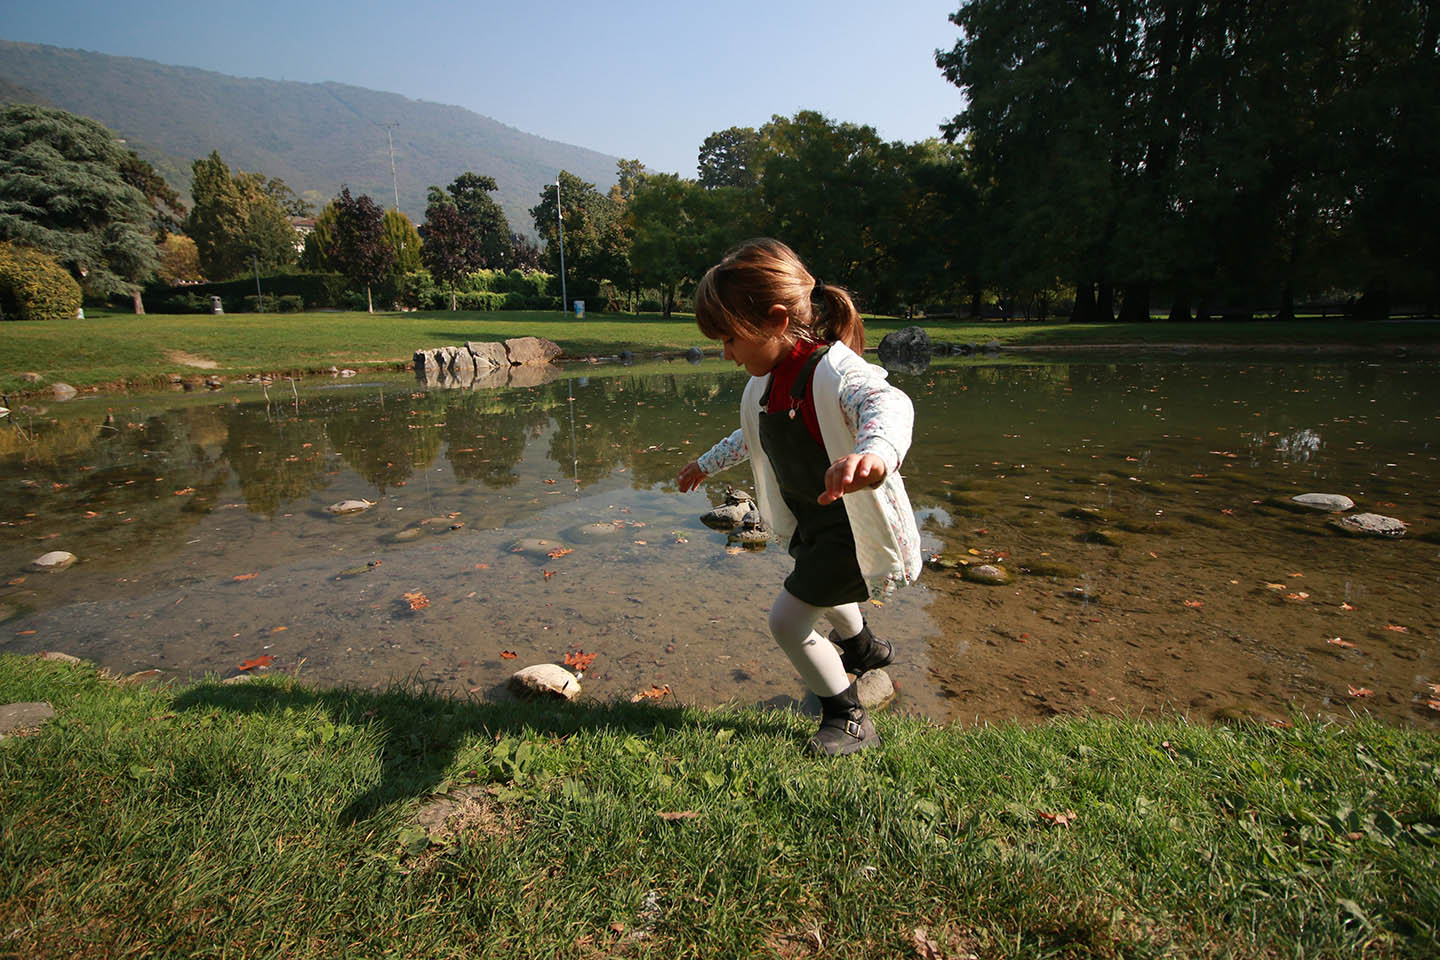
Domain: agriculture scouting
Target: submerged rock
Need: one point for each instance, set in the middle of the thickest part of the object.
(986, 573)
(545, 679)
(875, 689)
(53, 561)
(590, 532)
(1329, 502)
(1370, 525)
(346, 507)
(536, 548)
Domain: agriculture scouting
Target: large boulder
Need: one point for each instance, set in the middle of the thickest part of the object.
(532, 350)
(545, 680)
(905, 348)
(488, 355)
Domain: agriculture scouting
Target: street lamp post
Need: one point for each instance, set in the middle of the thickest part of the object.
(560, 221)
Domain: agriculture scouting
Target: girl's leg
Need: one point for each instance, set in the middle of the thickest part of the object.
(860, 650)
(792, 623)
(846, 619)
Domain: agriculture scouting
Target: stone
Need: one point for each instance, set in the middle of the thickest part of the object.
(55, 656)
(32, 378)
(536, 548)
(590, 532)
(63, 391)
(532, 350)
(22, 718)
(346, 507)
(993, 347)
(875, 689)
(53, 562)
(547, 680)
(907, 346)
(694, 355)
(347, 372)
(751, 537)
(627, 356)
(1329, 502)
(488, 355)
(531, 375)
(1370, 525)
(986, 573)
(726, 516)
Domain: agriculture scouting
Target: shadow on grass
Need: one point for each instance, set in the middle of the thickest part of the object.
(423, 732)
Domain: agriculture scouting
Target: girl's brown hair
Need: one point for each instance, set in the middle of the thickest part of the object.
(734, 297)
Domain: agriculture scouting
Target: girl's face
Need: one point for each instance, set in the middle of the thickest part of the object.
(762, 354)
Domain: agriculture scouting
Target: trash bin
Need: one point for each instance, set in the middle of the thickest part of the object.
(216, 305)
(579, 309)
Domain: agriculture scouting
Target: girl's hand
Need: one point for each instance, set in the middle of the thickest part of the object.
(690, 477)
(850, 473)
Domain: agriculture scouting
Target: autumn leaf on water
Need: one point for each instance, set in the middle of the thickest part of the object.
(548, 573)
(1297, 574)
(1194, 603)
(559, 552)
(1433, 704)
(1336, 641)
(244, 576)
(482, 566)
(416, 599)
(1346, 606)
(654, 693)
(507, 654)
(551, 481)
(187, 490)
(1302, 595)
(1275, 586)
(1434, 688)
(90, 514)
(1359, 691)
(264, 660)
(580, 660)
(1058, 819)
(1397, 628)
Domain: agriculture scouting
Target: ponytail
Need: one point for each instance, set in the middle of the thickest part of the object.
(837, 319)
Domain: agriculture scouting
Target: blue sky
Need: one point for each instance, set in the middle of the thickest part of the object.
(641, 79)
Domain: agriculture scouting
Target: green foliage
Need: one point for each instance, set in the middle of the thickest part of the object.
(595, 241)
(179, 260)
(728, 158)
(403, 240)
(63, 190)
(240, 222)
(33, 286)
(360, 251)
(287, 303)
(320, 241)
(480, 290)
(470, 193)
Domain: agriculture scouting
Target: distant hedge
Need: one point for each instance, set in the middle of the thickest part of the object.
(34, 287)
(310, 289)
(481, 290)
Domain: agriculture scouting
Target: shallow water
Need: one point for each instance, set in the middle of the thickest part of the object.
(203, 540)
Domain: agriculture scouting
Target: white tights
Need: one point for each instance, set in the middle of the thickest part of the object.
(792, 623)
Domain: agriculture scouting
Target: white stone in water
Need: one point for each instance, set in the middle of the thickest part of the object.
(546, 679)
(53, 561)
(349, 506)
(1329, 502)
(987, 573)
(875, 689)
(1370, 525)
(536, 548)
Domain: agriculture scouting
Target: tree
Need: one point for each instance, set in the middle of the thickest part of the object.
(241, 219)
(63, 190)
(34, 287)
(450, 247)
(525, 254)
(360, 252)
(320, 241)
(168, 209)
(470, 193)
(179, 261)
(728, 158)
(592, 235)
(404, 242)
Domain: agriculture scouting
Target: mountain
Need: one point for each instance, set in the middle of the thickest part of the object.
(314, 136)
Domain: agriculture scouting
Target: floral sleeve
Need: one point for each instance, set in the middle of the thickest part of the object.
(725, 454)
(880, 414)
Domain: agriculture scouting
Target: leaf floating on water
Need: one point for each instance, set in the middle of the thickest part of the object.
(1194, 603)
(1359, 691)
(1337, 642)
(1275, 586)
(1346, 606)
(482, 566)
(278, 629)
(1297, 574)
(507, 654)
(580, 660)
(184, 492)
(548, 573)
(1397, 628)
(559, 552)
(264, 660)
(654, 693)
(244, 576)
(416, 599)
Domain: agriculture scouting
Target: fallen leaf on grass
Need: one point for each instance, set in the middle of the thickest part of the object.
(654, 693)
(1359, 691)
(416, 599)
(925, 948)
(264, 660)
(580, 660)
(244, 576)
(507, 654)
(680, 815)
(1058, 819)
(1336, 641)
(559, 552)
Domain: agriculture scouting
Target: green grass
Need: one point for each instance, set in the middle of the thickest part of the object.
(275, 820)
(111, 347)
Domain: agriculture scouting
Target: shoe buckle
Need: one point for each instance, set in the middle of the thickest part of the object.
(852, 727)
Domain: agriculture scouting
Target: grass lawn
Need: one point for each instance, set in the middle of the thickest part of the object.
(113, 347)
(270, 819)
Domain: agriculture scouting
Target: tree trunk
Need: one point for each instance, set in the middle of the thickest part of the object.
(1105, 302)
(369, 304)
(1180, 308)
(139, 304)
(452, 297)
(1084, 311)
(1287, 304)
(1135, 305)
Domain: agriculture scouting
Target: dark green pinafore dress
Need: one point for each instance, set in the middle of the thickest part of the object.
(826, 573)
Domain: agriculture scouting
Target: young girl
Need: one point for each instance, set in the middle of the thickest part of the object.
(825, 435)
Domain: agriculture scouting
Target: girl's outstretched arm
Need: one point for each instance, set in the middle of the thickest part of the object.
(855, 471)
(690, 477)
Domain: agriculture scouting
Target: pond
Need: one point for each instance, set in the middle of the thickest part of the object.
(1141, 508)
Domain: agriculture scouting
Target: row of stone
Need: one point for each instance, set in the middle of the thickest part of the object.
(461, 366)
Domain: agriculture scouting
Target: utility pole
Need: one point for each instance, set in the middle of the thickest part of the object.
(391, 141)
(561, 222)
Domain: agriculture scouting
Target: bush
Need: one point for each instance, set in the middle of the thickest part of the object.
(479, 300)
(285, 303)
(34, 287)
(314, 289)
(651, 306)
(184, 303)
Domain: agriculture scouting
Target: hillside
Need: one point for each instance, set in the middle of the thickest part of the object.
(315, 136)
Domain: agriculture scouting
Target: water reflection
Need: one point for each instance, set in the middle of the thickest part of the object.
(1145, 479)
